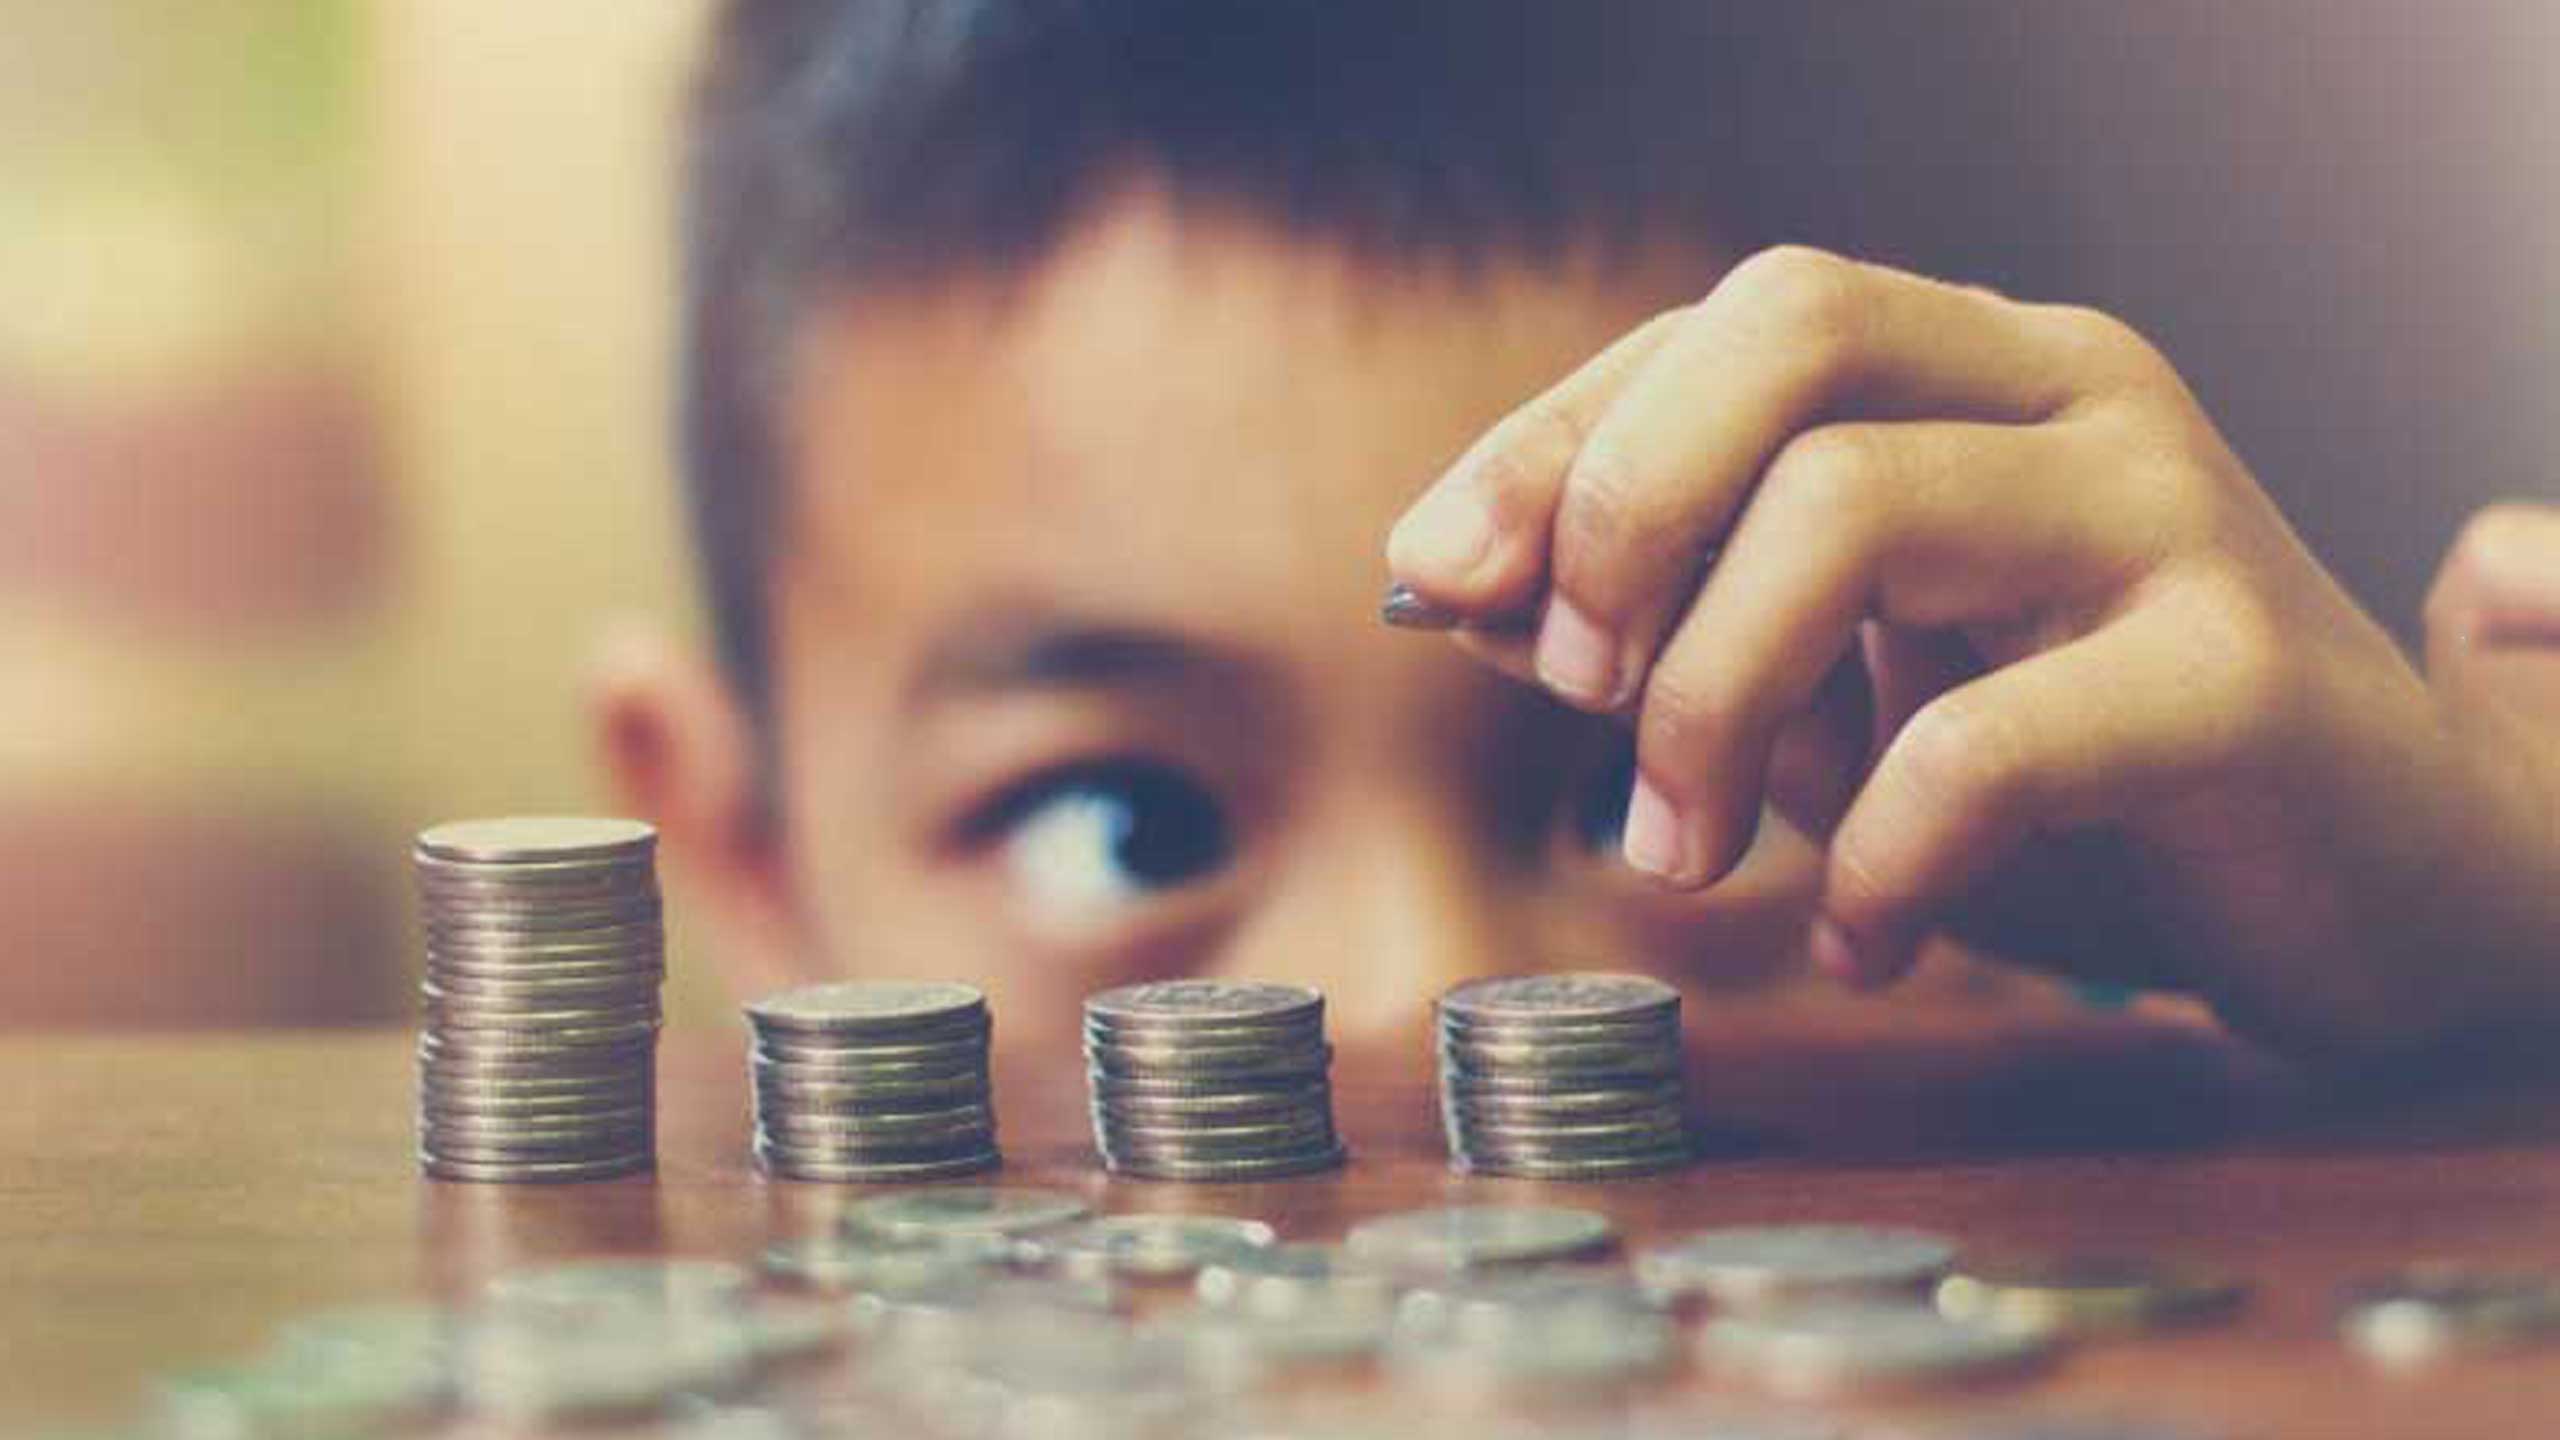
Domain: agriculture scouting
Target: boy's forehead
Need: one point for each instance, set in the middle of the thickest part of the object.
(1174, 409)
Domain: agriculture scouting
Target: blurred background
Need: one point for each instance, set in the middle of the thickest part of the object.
(333, 357)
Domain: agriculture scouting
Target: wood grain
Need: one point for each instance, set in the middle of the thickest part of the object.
(165, 1200)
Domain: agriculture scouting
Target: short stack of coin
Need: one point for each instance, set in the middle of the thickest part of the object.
(1563, 1077)
(873, 1080)
(1210, 1080)
(544, 955)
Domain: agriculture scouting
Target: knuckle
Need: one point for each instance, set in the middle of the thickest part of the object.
(2492, 538)
(1815, 297)
(1831, 470)
(2104, 346)
(1959, 757)
(2250, 672)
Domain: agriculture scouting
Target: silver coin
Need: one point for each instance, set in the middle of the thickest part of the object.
(1821, 1347)
(455, 1152)
(1541, 1348)
(1541, 1058)
(851, 1147)
(1231, 1144)
(789, 1166)
(1223, 1171)
(1218, 1106)
(535, 1125)
(1181, 1059)
(439, 881)
(1753, 1264)
(536, 838)
(490, 1036)
(1579, 997)
(934, 1215)
(1276, 1279)
(447, 1015)
(2420, 1315)
(877, 1122)
(856, 1098)
(1612, 1167)
(1460, 1237)
(1161, 1086)
(837, 1262)
(1202, 1002)
(607, 988)
(609, 1167)
(1569, 1106)
(852, 1007)
(1150, 1247)
(959, 1050)
(1651, 1029)
(1298, 1032)
(2085, 1294)
(1604, 1131)
(1512, 1084)
(640, 938)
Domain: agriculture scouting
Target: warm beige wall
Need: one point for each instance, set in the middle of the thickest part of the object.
(517, 241)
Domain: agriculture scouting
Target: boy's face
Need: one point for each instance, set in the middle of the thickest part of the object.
(1077, 672)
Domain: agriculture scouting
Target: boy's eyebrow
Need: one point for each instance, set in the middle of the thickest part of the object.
(1049, 653)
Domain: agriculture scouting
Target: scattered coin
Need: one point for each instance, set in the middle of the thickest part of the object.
(966, 1212)
(581, 1288)
(1464, 1237)
(1746, 1265)
(1278, 1279)
(2085, 1294)
(1211, 1081)
(1150, 1247)
(2425, 1313)
(1820, 1347)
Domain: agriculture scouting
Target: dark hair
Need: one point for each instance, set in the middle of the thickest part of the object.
(841, 143)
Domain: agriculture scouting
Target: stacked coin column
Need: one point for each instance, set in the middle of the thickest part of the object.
(873, 1080)
(1210, 1080)
(544, 956)
(1563, 1077)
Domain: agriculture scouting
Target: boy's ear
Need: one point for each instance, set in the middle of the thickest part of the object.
(682, 755)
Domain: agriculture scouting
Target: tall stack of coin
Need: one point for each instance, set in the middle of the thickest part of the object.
(544, 955)
(1210, 1080)
(1563, 1077)
(865, 1080)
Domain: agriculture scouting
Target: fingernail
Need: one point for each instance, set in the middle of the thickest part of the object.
(1407, 609)
(1576, 658)
(1833, 952)
(1443, 537)
(1654, 841)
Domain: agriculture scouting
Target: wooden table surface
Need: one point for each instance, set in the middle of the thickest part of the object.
(165, 1200)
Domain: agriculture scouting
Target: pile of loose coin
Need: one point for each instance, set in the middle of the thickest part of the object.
(1563, 1077)
(544, 956)
(873, 1080)
(1210, 1080)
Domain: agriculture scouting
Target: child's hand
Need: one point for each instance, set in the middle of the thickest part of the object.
(2493, 619)
(2174, 746)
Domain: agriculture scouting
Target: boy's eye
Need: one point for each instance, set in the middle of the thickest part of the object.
(1600, 803)
(1090, 839)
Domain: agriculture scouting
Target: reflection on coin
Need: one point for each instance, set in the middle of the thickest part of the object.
(2084, 1294)
(536, 1171)
(1151, 1247)
(1202, 1002)
(1276, 1279)
(1581, 997)
(2423, 1314)
(1758, 1263)
(535, 838)
(1462, 1237)
(1818, 1347)
(965, 1210)
(859, 1007)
